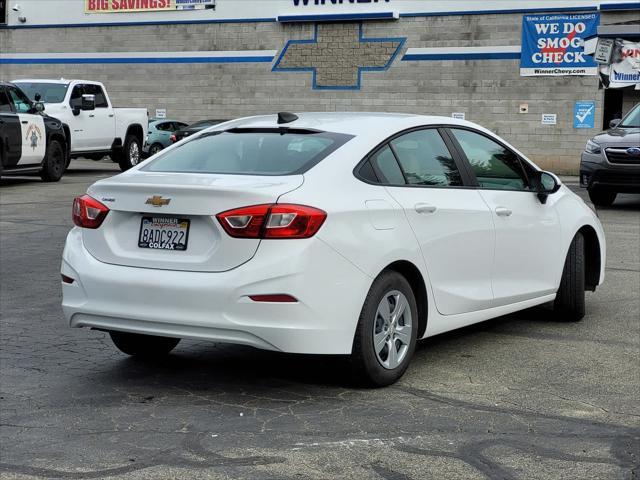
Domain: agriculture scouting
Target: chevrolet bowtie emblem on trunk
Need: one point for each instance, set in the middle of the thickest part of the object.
(158, 201)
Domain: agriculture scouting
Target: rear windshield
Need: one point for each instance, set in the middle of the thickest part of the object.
(250, 152)
(49, 92)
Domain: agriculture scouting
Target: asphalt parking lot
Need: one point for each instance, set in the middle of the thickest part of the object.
(519, 397)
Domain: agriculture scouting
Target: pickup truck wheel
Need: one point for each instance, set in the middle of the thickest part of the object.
(54, 163)
(131, 153)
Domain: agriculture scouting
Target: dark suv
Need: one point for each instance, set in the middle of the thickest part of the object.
(611, 161)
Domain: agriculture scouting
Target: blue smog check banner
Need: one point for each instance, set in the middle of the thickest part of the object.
(553, 45)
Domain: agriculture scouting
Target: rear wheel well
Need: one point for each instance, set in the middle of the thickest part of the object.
(592, 256)
(135, 130)
(409, 271)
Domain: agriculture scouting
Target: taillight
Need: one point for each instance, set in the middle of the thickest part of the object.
(283, 221)
(173, 138)
(88, 212)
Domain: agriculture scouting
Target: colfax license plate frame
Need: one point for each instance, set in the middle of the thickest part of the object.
(177, 247)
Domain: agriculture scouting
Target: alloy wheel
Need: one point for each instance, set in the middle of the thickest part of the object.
(134, 153)
(392, 329)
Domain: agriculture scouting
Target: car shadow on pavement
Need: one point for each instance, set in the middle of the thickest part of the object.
(205, 366)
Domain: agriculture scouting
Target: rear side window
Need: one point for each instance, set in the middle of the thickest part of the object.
(387, 166)
(250, 152)
(426, 160)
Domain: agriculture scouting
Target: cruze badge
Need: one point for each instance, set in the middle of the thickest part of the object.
(633, 151)
(158, 201)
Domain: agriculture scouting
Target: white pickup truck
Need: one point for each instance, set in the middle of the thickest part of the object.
(94, 127)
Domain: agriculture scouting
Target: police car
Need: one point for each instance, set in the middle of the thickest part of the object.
(30, 141)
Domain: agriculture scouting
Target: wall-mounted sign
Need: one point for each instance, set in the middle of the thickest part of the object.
(458, 115)
(554, 44)
(584, 114)
(549, 119)
(624, 70)
(161, 113)
(604, 48)
(124, 6)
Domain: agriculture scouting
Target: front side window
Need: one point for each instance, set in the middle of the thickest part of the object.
(96, 90)
(76, 97)
(20, 101)
(494, 166)
(164, 126)
(49, 92)
(5, 105)
(426, 160)
(250, 152)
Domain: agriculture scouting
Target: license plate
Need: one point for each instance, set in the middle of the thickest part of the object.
(164, 233)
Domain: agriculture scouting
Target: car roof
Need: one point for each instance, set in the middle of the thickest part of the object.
(59, 81)
(352, 123)
(162, 120)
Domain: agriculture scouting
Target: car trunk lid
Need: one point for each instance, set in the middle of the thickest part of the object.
(179, 199)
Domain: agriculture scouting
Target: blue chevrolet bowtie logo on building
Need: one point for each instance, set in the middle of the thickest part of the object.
(337, 55)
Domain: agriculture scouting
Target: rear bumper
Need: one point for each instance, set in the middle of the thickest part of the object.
(597, 173)
(215, 306)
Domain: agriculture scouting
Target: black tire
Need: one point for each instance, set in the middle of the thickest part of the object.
(144, 346)
(569, 303)
(366, 366)
(127, 158)
(54, 163)
(602, 198)
(155, 148)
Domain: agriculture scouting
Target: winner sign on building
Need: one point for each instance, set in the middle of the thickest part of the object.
(554, 44)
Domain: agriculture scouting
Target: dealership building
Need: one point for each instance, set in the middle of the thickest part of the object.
(517, 67)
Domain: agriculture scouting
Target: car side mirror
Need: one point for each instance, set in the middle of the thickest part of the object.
(547, 184)
(88, 102)
(37, 97)
(614, 123)
(39, 106)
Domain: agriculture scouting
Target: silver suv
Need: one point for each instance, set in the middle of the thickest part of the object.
(610, 163)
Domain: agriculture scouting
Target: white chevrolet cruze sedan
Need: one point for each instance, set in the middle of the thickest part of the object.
(326, 233)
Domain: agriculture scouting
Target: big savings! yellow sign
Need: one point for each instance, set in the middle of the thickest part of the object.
(121, 6)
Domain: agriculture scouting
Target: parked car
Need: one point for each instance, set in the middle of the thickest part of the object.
(193, 128)
(159, 136)
(610, 162)
(327, 233)
(30, 141)
(95, 128)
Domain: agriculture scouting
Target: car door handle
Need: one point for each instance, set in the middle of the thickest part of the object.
(91, 115)
(24, 122)
(425, 208)
(503, 212)
(111, 115)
